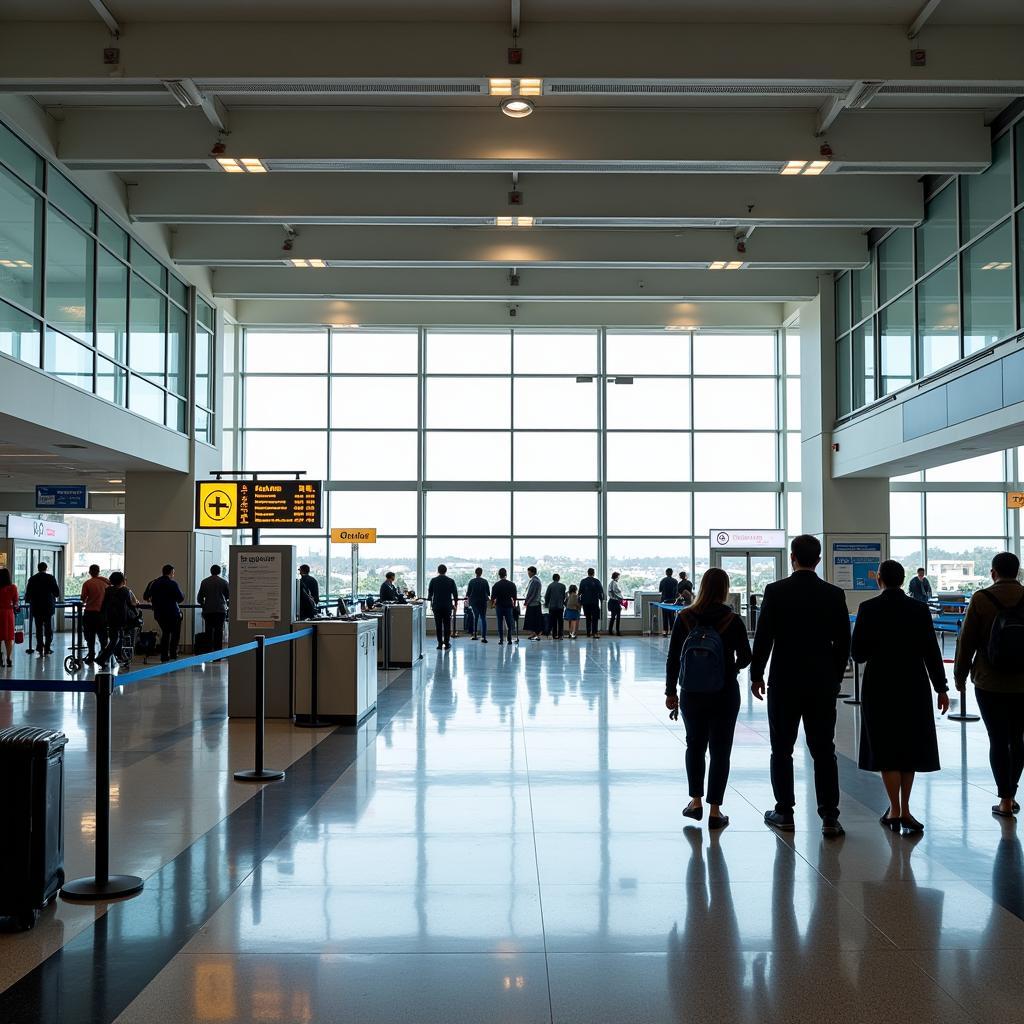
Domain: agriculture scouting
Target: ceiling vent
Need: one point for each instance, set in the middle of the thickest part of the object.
(548, 166)
(999, 91)
(688, 87)
(348, 87)
(129, 165)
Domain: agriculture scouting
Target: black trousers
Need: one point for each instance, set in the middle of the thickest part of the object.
(44, 630)
(556, 618)
(615, 617)
(710, 720)
(214, 623)
(1003, 714)
(95, 631)
(592, 613)
(815, 706)
(668, 621)
(170, 633)
(443, 624)
(112, 647)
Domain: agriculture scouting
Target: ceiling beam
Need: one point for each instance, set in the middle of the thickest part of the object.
(921, 18)
(108, 19)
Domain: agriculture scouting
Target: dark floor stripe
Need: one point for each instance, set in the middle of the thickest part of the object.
(101, 971)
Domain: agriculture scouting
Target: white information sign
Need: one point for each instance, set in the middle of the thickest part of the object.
(855, 564)
(43, 530)
(748, 540)
(257, 586)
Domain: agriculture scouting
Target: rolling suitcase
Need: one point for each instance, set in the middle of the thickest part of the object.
(32, 808)
(203, 643)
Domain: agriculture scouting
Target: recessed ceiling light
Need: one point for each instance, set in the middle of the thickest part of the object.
(500, 86)
(725, 265)
(243, 165)
(253, 165)
(805, 167)
(816, 166)
(794, 167)
(115, 481)
(530, 86)
(513, 222)
(345, 327)
(997, 265)
(678, 327)
(515, 106)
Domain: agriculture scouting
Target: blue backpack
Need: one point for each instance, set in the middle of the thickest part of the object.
(702, 665)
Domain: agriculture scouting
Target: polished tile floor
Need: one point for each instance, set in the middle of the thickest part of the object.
(503, 842)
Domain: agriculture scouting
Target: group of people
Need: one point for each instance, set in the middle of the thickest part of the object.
(804, 631)
(673, 591)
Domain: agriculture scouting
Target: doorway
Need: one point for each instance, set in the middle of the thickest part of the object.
(749, 573)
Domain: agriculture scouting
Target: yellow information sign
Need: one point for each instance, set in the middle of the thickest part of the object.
(353, 535)
(217, 506)
(237, 504)
(1015, 499)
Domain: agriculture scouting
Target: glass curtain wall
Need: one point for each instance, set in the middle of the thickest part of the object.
(563, 449)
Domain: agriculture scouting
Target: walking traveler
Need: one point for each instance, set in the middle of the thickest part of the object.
(166, 597)
(991, 651)
(895, 638)
(93, 590)
(533, 620)
(8, 609)
(804, 627)
(214, 595)
(572, 610)
(389, 592)
(41, 596)
(443, 598)
(614, 606)
(554, 601)
(118, 602)
(705, 655)
(669, 589)
(478, 593)
(503, 601)
(591, 596)
(920, 588)
(309, 593)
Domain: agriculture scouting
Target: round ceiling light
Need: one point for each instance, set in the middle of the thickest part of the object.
(516, 106)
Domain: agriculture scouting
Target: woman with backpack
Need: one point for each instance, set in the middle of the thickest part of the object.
(708, 648)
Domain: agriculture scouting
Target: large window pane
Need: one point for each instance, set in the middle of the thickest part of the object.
(464, 513)
(794, 461)
(388, 512)
(19, 335)
(397, 556)
(649, 513)
(21, 249)
(642, 563)
(570, 557)
(469, 352)
(938, 320)
(285, 351)
(469, 402)
(863, 364)
(734, 404)
(989, 468)
(554, 403)
(374, 352)
(649, 403)
(733, 510)
(734, 457)
(843, 312)
(114, 237)
(463, 555)
(285, 402)
(959, 565)
(792, 403)
(734, 353)
(148, 328)
(896, 330)
(988, 290)
(146, 399)
(794, 513)
(290, 451)
(655, 456)
(468, 456)
(110, 381)
(936, 236)
(374, 402)
(70, 199)
(69, 277)
(844, 376)
(986, 197)
(20, 158)
(204, 378)
(68, 360)
(554, 455)
(148, 265)
(540, 513)
(373, 455)
(112, 306)
(177, 350)
(545, 352)
(863, 292)
(949, 512)
(905, 514)
(895, 264)
(661, 352)
(177, 414)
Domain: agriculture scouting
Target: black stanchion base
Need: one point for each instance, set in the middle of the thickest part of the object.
(852, 700)
(92, 890)
(266, 775)
(840, 696)
(964, 718)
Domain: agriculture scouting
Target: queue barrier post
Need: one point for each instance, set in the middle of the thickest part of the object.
(313, 721)
(855, 699)
(102, 885)
(259, 773)
(963, 715)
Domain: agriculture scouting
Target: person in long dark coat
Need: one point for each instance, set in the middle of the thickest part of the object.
(895, 636)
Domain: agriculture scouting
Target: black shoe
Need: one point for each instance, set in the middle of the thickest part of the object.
(831, 828)
(782, 820)
(717, 821)
(694, 812)
(1016, 807)
(484, 640)
(910, 825)
(447, 647)
(893, 824)
(439, 646)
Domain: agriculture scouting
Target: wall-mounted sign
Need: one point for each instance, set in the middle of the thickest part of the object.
(1015, 499)
(748, 540)
(353, 535)
(58, 496)
(256, 586)
(42, 530)
(238, 504)
(855, 564)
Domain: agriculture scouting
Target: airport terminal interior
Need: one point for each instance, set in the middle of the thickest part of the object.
(620, 296)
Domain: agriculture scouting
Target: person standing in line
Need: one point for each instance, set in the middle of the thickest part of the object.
(685, 588)
(669, 590)
(614, 606)
(920, 588)
(804, 627)
(533, 620)
(591, 596)
(554, 601)
(389, 592)
(708, 640)
(41, 596)
(8, 609)
(990, 650)
(118, 601)
(572, 610)
(166, 597)
(895, 637)
(93, 590)
(443, 598)
(503, 601)
(309, 593)
(214, 595)
(478, 593)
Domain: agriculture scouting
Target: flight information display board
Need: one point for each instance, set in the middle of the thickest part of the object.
(241, 504)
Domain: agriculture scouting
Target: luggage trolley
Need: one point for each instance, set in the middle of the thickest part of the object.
(75, 660)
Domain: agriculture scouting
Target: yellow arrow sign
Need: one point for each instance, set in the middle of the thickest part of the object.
(353, 535)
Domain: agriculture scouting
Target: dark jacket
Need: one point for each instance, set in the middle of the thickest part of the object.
(685, 585)
(478, 592)
(804, 626)
(972, 644)
(735, 645)
(668, 588)
(442, 592)
(213, 595)
(503, 594)
(554, 596)
(309, 596)
(389, 592)
(591, 591)
(920, 589)
(42, 593)
(164, 595)
(116, 604)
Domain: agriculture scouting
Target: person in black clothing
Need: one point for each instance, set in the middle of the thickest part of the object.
(213, 599)
(309, 593)
(804, 626)
(710, 718)
(166, 597)
(503, 601)
(685, 594)
(117, 604)
(443, 596)
(920, 588)
(389, 593)
(894, 634)
(41, 596)
(478, 593)
(668, 588)
(591, 596)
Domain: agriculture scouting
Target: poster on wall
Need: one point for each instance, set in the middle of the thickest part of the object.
(855, 564)
(257, 586)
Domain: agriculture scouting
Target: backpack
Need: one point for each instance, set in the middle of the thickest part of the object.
(1006, 640)
(702, 665)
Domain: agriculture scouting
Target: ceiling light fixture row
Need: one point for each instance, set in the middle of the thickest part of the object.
(725, 264)
(308, 263)
(13, 264)
(513, 222)
(242, 165)
(997, 265)
(515, 90)
(805, 167)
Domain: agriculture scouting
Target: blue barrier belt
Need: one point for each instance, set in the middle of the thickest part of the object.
(126, 678)
(285, 637)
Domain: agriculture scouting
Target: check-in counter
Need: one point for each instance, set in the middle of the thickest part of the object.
(407, 630)
(346, 657)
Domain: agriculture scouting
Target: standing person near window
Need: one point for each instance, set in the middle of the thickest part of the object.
(93, 590)
(478, 593)
(920, 588)
(685, 588)
(8, 608)
(443, 598)
(614, 606)
(669, 590)
(118, 602)
(990, 650)
(572, 610)
(41, 596)
(533, 621)
(166, 597)
(705, 655)
(503, 601)
(554, 601)
(309, 593)
(591, 596)
(213, 597)
(389, 592)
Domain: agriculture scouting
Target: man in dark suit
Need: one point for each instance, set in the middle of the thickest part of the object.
(804, 626)
(41, 596)
(443, 596)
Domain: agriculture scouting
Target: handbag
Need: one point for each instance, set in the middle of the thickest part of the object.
(19, 636)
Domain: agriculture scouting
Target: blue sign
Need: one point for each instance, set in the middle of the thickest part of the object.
(62, 496)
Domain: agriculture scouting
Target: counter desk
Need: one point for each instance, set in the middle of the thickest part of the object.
(346, 657)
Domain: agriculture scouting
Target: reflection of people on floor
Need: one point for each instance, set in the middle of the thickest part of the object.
(533, 688)
(503, 693)
(1007, 883)
(443, 700)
